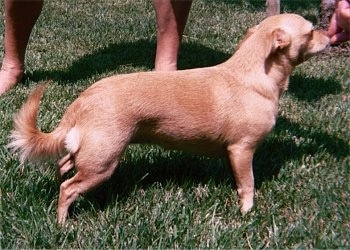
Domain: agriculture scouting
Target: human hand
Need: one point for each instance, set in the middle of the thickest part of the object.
(339, 27)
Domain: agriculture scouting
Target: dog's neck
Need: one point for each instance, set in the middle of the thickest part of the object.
(254, 60)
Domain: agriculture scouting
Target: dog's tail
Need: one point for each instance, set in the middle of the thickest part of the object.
(27, 139)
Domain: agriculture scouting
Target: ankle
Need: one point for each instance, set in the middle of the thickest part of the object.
(10, 75)
(165, 66)
(8, 65)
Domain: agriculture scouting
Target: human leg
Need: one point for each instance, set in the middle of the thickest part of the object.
(20, 17)
(171, 20)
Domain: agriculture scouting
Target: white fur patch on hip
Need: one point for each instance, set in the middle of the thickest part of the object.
(72, 141)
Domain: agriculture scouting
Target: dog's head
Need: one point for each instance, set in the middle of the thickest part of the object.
(289, 35)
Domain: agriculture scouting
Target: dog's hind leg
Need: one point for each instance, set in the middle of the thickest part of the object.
(82, 182)
(97, 158)
(65, 164)
(100, 149)
(241, 157)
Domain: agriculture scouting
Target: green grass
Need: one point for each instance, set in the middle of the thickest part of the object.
(167, 199)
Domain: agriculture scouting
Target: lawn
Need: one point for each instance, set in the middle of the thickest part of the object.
(169, 199)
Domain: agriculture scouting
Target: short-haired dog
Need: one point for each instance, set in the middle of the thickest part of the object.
(223, 110)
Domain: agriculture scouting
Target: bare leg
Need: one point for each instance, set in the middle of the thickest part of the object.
(20, 17)
(241, 157)
(171, 20)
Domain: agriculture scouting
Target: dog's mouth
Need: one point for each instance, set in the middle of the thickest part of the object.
(316, 45)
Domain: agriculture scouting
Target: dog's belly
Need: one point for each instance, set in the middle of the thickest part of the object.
(201, 144)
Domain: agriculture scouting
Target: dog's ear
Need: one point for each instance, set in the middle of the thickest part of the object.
(280, 39)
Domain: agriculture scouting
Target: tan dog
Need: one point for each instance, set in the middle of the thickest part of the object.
(224, 110)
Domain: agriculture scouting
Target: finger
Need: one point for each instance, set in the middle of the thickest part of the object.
(345, 13)
(333, 27)
(344, 4)
(339, 38)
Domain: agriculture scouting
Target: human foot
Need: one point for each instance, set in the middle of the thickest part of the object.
(9, 77)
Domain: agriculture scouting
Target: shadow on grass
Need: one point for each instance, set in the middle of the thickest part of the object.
(185, 169)
(310, 88)
(276, 150)
(137, 54)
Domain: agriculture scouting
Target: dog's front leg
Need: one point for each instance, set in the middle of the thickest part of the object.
(240, 157)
